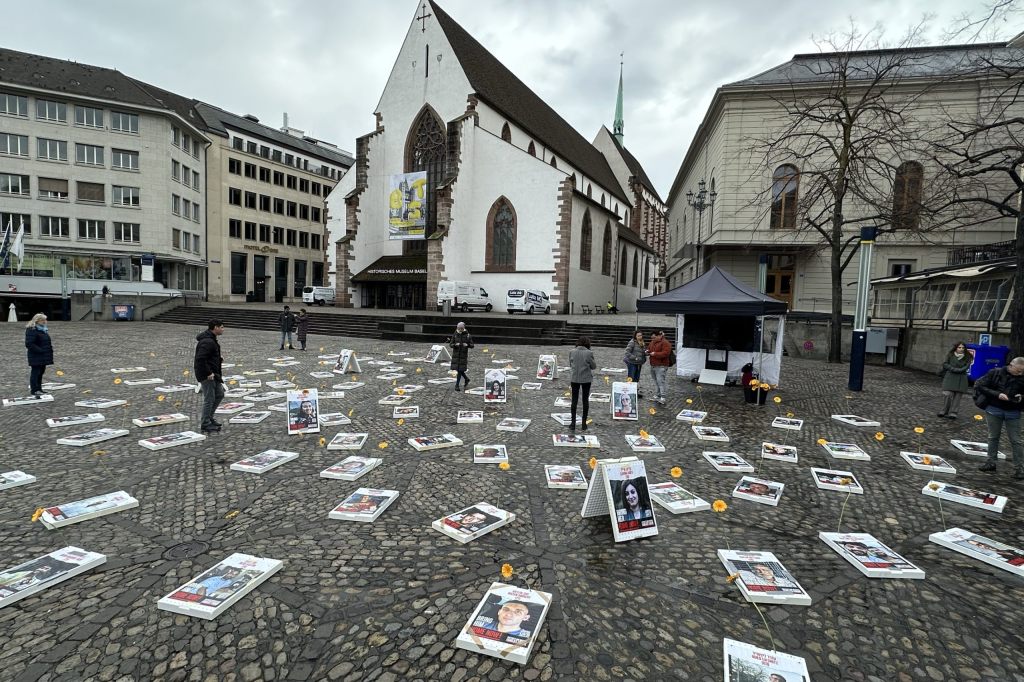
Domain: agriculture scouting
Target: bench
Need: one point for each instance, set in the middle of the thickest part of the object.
(585, 309)
(599, 309)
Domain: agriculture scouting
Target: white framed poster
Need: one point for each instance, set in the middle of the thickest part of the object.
(763, 579)
(619, 488)
(212, 592)
(547, 367)
(46, 571)
(303, 411)
(981, 548)
(505, 623)
(871, 556)
(676, 499)
(494, 386)
(623, 403)
(347, 362)
(748, 663)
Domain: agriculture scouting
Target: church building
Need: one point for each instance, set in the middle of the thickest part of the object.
(470, 176)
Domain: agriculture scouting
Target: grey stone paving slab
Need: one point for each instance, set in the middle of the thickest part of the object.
(386, 600)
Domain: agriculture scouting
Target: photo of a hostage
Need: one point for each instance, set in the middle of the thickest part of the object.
(508, 621)
(624, 405)
(758, 489)
(470, 522)
(495, 388)
(632, 501)
(31, 574)
(870, 555)
(303, 416)
(218, 583)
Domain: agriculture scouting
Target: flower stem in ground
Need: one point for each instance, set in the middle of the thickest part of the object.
(942, 515)
(765, 621)
(839, 528)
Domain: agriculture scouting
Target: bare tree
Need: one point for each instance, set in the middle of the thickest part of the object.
(985, 148)
(851, 119)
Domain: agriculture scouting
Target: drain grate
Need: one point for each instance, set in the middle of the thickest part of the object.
(187, 550)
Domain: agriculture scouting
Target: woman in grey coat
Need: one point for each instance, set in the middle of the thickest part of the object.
(581, 375)
(954, 379)
(636, 356)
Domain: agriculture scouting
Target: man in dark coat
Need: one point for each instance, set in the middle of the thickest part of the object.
(207, 367)
(286, 323)
(461, 342)
(1003, 387)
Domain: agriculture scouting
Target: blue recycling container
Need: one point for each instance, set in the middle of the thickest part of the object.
(123, 313)
(985, 358)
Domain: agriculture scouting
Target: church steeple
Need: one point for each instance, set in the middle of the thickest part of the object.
(619, 124)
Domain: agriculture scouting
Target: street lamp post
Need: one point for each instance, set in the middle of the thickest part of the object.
(700, 202)
(858, 345)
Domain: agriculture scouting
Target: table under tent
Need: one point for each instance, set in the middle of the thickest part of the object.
(721, 325)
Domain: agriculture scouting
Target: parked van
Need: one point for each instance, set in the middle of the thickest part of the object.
(526, 301)
(463, 295)
(318, 295)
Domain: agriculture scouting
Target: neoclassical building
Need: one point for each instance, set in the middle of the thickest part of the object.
(756, 214)
(515, 197)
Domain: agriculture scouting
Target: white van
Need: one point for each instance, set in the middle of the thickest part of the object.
(318, 295)
(526, 301)
(463, 295)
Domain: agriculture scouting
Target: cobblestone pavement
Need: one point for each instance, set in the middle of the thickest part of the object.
(385, 600)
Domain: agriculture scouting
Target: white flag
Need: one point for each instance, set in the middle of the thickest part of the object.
(18, 248)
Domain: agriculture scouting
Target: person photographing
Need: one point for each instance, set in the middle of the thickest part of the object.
(1000, 393)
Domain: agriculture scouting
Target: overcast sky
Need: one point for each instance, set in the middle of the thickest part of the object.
(325, 62)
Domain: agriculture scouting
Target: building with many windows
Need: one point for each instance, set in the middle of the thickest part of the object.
(85, 166)
(123, 185)
(266, 191)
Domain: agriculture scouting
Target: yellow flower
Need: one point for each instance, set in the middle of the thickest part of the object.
(719, 506)
(926, 459)
(845, 480)
(98, 453)
(933, 486)
(606, 378)
(879, 436)
(305, 391)
(36, 514)
(643, 434)
(400, 391)
(676, 472)
(323, 442)
(321, 349)
(764, 387)
(117, 380)
(629, 380)
(504, 466)
(485, 350)
(351, 411)
(160, 398)
(593, 462)
(177, 403)
(754, 382)
(590, 421)
(651, 411)
(419, 370)
(789, 414)
(918, 429)
(506, 571)
(978, 417)
(60, 372)
(232, 514)
(233, 382)
(401, 421)
(821, 441)
(382, 445)
(152, 355)
(776, 400)
(689, 401)
(87, 391)
(185, 373)
(732, 578)
(394, 382)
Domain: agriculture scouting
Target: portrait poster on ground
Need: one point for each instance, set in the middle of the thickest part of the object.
(211, 593)
(42, 572)
(762, 578)
(364, 505)
(748, 663)
(436, 354)
(619, 488)
(547, 367)
(624, 401)
(303, 411)
(407, 206)
(981, 548)
(347, 362)
(472, 522)
(505, 623)
(870, 556)
(494, 386)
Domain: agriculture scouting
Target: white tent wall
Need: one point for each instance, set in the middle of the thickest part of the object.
(767, 363)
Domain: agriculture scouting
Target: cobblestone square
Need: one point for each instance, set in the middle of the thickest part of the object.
(385, 600)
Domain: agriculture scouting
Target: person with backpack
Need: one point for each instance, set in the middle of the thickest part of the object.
(636, 356)
(659, 351)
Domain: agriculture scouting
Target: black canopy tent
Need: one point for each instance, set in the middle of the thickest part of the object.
(727, 323)
(716, 292)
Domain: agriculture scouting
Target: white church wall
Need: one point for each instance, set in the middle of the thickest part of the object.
(336, 215)
(491, 168)
(589, 287)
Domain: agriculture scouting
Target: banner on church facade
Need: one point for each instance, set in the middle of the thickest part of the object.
(407, 214)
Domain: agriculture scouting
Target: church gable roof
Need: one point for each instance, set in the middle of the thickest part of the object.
(500, 88)
(634, 166)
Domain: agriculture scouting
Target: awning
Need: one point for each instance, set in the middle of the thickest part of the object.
(394, 269)
(967, 270)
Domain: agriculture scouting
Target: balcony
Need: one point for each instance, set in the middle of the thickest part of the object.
(979, 253)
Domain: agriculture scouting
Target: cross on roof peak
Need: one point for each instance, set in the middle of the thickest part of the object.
(423, 17)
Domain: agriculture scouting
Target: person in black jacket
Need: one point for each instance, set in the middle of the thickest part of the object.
(1001, 392)
(40, 352)
(461, 342)
(286, 323)
(207, 367)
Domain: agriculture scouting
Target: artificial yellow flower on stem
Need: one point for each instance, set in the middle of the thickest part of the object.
(732, 578)
(60, 372)
(879, 436)
(382, 445)
(643, 434)
(504, 466)
(593, 462)
(506, 571)
(776, 400)
(117, 380)
(919, 430)
(651, 411)
(978, 417)
(926, 460)
(821, 441)
(36, 514)
(323, 441)
(719, 506)
(160, 398)
(401, 421)
(675, 472)
(232, 514)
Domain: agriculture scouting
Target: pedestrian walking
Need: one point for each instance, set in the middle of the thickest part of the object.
(286, 323)
(659, 351)
(302, 327)
(581, 376)
(1000, 393)
(636, 356)
(954, 379)
(460, 342)
(207, 368)
(40, 352)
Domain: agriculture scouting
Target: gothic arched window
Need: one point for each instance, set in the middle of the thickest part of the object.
(622, 265)
(501, 237)
(532, 149)
(636, 266)
(425, 150)
(606, 250)
(586, 241)
(506, 133)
